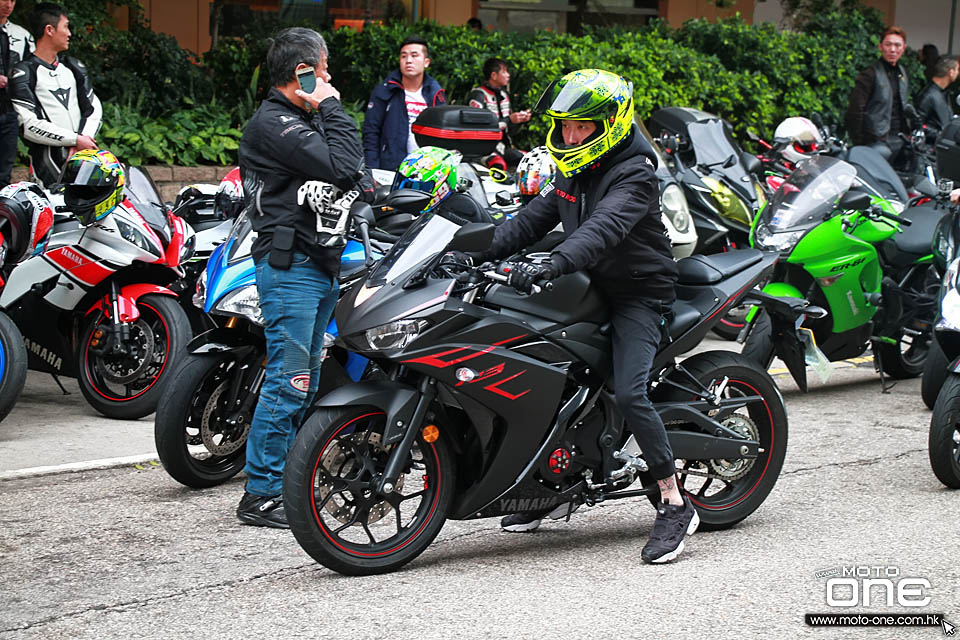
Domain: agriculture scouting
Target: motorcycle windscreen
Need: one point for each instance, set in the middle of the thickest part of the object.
(715, 148)
(240, 239)
(809, 195)
(426, 237)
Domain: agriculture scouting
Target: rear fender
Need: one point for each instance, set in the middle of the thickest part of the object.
(777, 290)
(127, 301)
(397, 400)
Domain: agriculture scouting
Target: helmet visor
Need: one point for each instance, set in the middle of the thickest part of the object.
(403, 182)
(567, 100)
(80, 171)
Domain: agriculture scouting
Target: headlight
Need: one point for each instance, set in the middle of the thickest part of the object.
(950, 304)
(765, 239)
(728, 203)
(761, 195)
(188, 248)
(200, 295)
(674, 205)
(395, 335)
(133, 236)
(244, 302)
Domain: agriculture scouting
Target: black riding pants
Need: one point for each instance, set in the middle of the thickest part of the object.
(637, 327)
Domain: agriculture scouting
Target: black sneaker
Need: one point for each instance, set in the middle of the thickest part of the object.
(262, 512)
(666, 539)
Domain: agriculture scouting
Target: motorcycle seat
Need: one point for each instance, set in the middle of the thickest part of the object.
(700, 270)
(915, 241)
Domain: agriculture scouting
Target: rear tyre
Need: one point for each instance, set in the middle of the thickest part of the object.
(200, 438)
(934, 374)
(727, 491)
(944, 440)
(732, 323)
(129, 386)
(330, 497)
(13, 364)
(759, 347)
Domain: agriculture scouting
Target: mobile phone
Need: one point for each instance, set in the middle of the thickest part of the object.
(307, 78)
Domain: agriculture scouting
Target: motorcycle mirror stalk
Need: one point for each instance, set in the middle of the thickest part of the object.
(362, 214)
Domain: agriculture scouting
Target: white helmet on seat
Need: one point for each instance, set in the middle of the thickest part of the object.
(804, 136)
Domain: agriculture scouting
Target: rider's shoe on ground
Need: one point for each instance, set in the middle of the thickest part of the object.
(530, 520)
(262, 512)
(666, 539)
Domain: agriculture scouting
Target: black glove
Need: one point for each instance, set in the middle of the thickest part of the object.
(458, 258)
(524, 275)
(366, 186)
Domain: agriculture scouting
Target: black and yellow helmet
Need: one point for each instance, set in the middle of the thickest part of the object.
(93, 181)
(588, 94)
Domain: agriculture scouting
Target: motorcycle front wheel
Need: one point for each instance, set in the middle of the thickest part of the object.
(129, 385)
(724, 491)
(201, 427)
(331, 500)
(944, 441)
(13, 364)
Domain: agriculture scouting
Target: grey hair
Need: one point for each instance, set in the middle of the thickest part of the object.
(290, 47)
(943, 66)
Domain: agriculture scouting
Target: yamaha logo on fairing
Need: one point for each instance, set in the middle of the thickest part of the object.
(515, 505)
(47, 355)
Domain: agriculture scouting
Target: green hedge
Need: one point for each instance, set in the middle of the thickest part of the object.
(167, 106)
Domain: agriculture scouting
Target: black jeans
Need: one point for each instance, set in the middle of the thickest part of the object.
(637, 325)
(9, 132)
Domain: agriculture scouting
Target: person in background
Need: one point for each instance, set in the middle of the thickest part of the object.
(492, 95)
(16, 44)
(932, 104)
(929, 54)
(53, 96)
(875, 116)
(395, 104)
(475, 24)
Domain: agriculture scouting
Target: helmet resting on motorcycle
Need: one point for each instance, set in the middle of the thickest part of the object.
(229, 199)
(804, 137)
(429, 169)
(588, 94)
(93, 182)
(26, 218)
(534, 171)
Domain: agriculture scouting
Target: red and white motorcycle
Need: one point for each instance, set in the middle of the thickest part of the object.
(96, 304)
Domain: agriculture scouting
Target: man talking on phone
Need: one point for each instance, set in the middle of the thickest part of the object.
(295, 137)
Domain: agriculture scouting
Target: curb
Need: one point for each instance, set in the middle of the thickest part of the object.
(72, 467)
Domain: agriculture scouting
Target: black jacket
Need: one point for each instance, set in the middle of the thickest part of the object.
(933, 107)
(877, 103)
(616, 235)
(282, 147)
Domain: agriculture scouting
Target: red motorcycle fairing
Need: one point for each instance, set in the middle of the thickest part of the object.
(79, 265)
(127, 301)
(178, 236)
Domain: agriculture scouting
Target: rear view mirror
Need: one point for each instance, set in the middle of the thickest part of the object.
(751, 163)
(473, 237)
(503, 198)
(408, 200)
(362, 212)
(855, 201)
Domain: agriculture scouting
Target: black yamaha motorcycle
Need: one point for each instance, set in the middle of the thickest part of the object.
(497, 402)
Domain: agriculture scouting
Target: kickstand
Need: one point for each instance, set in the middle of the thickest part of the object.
(878, 366)
(60, 384)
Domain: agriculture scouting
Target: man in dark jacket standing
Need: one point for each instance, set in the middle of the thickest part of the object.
(932, 104)
(396, 103)
(16, 44)
(876, 113)
(492, 95)
(293, 140)
(607, 198)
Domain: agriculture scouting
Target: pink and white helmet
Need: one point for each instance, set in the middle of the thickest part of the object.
(804, 136)
(26, 219)
(534, 171)
(229, 199)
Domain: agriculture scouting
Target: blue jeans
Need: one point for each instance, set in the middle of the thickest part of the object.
(296, 305)
(9, 134)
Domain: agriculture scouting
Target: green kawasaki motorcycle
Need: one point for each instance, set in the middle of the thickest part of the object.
(846, 249)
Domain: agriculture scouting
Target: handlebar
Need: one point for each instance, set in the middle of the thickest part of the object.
(496, 276)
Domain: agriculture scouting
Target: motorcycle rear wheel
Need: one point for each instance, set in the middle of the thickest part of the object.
(162, 331)
(195, 443)
(330, 497)
(944, 440)
(13, 364)
(744, 484)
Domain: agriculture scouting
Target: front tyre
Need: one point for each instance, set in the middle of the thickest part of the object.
(13, 364)
(944, 440)
(934, 374)
(725, 491)
(201, 429)
(330, 497)
(128, 385)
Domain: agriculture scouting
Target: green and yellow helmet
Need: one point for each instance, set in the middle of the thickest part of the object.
(93, 182)
(588, 94)
(429, 169)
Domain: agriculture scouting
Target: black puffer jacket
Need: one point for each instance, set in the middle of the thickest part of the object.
(282, 147)
(616, 235)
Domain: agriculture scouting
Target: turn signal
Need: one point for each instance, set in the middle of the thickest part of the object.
(430, 433)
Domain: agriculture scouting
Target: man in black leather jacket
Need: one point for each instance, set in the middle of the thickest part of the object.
(932, 104)
(875, 115)
(294, 139)
(606, 195)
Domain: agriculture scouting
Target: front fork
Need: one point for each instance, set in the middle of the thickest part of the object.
(401, 452)
(112, 338)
